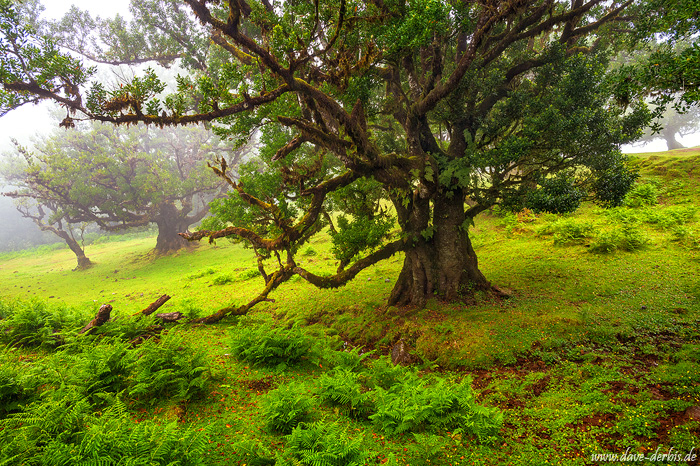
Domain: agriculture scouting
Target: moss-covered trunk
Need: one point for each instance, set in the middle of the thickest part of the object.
(442, 262)
(170, 222)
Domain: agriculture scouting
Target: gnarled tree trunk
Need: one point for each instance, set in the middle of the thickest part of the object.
(442, 262)
(670, 137)
(170, 222)
(83, 261)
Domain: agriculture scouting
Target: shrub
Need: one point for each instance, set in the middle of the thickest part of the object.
(269, 346)
(168, 369)
(322, 444)
(556, 195)
(286, 407)
(341, 387)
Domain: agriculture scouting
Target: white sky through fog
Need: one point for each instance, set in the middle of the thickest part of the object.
(30, 120)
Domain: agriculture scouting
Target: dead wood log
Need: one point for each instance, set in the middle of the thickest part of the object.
(170, 316)
(154, 306)
(101, 317)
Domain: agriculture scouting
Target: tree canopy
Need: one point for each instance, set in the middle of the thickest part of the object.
(120, 178)
(436, 109)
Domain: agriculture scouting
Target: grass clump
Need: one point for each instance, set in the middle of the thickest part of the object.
(567, 231)
(202, 273)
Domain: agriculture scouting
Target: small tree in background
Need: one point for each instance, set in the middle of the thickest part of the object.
(674, 122)
(120, 178)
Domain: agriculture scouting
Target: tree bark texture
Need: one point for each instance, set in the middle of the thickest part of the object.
(101, 317)
(170, 222)
(153, 307)
(442, 262)
(83, 261)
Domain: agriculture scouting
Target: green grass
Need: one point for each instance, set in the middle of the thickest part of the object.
(594, 352)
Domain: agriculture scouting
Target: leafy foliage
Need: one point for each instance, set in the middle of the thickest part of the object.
(13, 394)
(342, 387)
(322, 444)
(67, 431)
(269, 346)
(287, 406)
(416, 405)
(568, 231)
(645, 194)
(556, 195)
(36, 323)
(168, 369)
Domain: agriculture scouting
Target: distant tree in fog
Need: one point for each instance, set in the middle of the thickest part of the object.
(121, 178)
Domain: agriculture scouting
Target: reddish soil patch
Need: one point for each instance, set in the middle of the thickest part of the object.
(260, 385)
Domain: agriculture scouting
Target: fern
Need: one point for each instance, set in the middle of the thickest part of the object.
(35, 323)
(269, 346)
(13, 394)
(67, 431)
(169, 369)
(322, 444)
(341, 387)
(415, 405)
(350, 359)
(286, 407)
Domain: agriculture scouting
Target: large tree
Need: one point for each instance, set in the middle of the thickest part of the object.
(121, 178)
(443, 108)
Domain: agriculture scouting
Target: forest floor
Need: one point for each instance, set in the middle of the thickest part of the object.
(596, 352)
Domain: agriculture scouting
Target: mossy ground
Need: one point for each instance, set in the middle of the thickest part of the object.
(592, 353)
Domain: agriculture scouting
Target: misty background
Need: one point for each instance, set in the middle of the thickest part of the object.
(29, 123)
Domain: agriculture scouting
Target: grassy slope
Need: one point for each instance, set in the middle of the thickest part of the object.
(592, 353)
